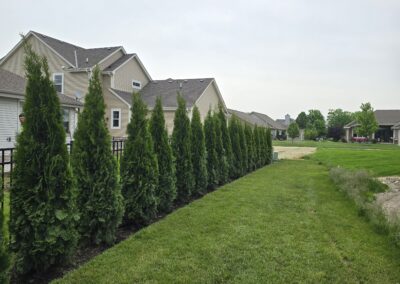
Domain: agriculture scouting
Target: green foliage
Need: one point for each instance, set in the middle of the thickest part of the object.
(199, 154)
(301, 120)
(212, 158)
(222, 166)
(258, 146)
(182, 151)
(269, 146)
(139, 168)
(366, 120)
(3, 250)
(226, 140)
(234, 129)
(310, 134)
(293, 130)
(43, 210)
(166, 191)
(243, 146)
(251, 148)
(316, 121)
(339, 118)
(99, 196)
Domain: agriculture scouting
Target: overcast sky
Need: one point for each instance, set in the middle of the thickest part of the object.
(275, 57)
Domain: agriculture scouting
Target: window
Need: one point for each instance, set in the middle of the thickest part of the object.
(58, 80)
(65, 118)
(115, 118)
(136, 84)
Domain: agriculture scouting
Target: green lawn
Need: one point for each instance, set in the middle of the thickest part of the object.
(330, 144)
(283, 223)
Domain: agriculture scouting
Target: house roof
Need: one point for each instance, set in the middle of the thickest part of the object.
(67, 50)
(119, 62)
(269, 121)
(190, 89)
(248, 118)
(396, 126)
(11, 83)
(384, 117)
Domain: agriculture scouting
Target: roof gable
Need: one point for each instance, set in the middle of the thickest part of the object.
(269, 121)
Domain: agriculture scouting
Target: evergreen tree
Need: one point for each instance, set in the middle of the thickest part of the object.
(212, 158)
(199, 154)
(3, 249)
(264, 146)
(166, 191)
(43, 212)
(243, 146)
(182, 151)
(226, 140)
(234, 129)
(257, 150)
(139, 168)
(223, 166)
(270, 150)
(251, 157)
(99, 196)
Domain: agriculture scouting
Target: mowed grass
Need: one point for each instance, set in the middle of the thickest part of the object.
(283, 223)
(379, 161)
(331, 144)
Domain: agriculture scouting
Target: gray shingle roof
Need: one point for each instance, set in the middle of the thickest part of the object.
(119, 62)
(14, 84)
(269, 121)
(190, 89)
(384, 117)
(67, 50)
(248, 118)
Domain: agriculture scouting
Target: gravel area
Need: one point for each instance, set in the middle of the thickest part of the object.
(293, 153)
(390, 200)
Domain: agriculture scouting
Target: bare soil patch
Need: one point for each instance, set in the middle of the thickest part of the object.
(293, 153)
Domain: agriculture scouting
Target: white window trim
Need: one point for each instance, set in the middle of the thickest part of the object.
(112, 118)
(62, 85)
(138, 82)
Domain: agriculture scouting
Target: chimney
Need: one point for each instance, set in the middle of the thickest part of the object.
(287, 119)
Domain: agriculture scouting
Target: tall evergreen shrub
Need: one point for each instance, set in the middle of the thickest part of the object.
(243, 146)
(166, 191)
(43, 210)
(99, 196)
(251, 157)
(226, 140)
(257, 151)
(270, 150)
(139, 168)
(223, 166)
(212, 158)
(182, 152)
(3, 239)
(199, 154)
(234, 133)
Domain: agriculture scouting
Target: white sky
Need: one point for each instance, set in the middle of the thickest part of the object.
(275, 57)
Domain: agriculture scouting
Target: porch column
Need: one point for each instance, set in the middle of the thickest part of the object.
(348, 134)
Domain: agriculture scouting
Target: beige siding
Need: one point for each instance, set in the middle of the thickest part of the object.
(111, 60)
(73, 82)
(112, 102)
(209, 99)
(126, 73)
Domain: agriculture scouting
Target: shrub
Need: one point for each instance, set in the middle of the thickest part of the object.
(223, 166)
(243, 146)
(166, 191)
(182, 152)
(310, 134)
(270, 150)
(234, 129)
(139, 168)
(258, 147)
(43, 210)
(199, 155)
(251, 151)
(3, 249)
(212, 159)
(226, 139)
(99, 196)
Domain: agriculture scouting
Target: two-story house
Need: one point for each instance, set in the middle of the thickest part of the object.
(122, 74)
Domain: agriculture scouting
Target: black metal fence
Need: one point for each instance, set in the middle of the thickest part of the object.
(7, 159)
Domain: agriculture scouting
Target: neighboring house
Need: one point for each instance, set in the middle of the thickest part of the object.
(388, 131)
(12, 95)
(285, 122)
(277, 129)
(122, 74)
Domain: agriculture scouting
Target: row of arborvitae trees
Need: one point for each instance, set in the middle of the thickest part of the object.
(59, 201)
